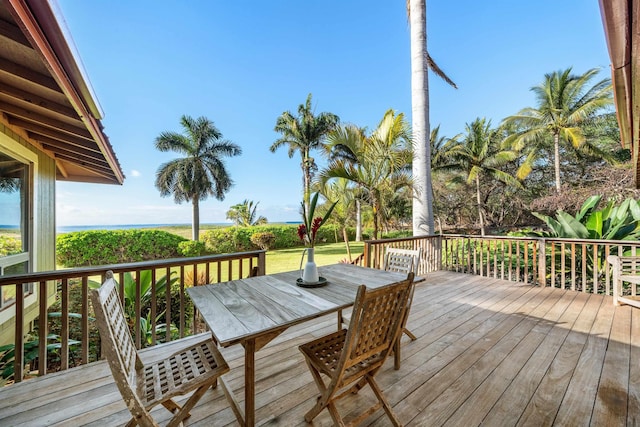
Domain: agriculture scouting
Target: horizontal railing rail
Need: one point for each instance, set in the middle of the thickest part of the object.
(153, 317)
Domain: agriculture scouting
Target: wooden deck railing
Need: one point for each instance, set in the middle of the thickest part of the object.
(575, 264)
(578, 265)
(153, 311)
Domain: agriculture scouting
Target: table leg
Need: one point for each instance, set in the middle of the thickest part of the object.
(249, 383)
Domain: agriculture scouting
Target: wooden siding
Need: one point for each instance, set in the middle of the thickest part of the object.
(489, 352)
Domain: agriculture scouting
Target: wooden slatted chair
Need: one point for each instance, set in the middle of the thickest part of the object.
(155, 375)
(626, 269)
(403, 261)
(351, 358)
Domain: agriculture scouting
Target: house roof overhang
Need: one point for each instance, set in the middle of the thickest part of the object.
(45, 96)
(622, 31)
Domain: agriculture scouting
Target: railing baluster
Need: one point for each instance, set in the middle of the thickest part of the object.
(563, 266)
(18, 358)
(43, 328)
(167, 297)
(64, 334)
(182, 319)
(502, 259)
(584, 267)
(596, 262)
(153, 306)
(607, 270)
(85, 320)
(573, 266)
(553, 265)
(137, 310)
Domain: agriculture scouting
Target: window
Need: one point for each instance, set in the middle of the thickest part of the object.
(15, 205)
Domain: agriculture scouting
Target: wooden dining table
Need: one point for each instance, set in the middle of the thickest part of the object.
(255, 310)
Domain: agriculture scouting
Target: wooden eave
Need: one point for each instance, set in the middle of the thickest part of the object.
(622, 31)
(45, 97)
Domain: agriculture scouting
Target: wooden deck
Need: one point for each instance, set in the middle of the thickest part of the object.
(488, 352)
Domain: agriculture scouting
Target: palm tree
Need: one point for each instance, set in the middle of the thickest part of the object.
(245, 214)
(565, 102)
(304, 133)
(478, 154)
(373, 161)
(421, 61)
(201, 172)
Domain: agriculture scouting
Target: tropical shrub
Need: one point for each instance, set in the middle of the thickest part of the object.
(100, 247)
(264, 240)
(9, 246)
(191, 248)
(31, 353)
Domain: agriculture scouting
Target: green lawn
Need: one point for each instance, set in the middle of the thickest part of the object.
(289, 259)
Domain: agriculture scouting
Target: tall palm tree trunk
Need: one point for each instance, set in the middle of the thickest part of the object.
(376, 210)
(345, 237)
(556, 158)
(421, 168)
(479, 200)
(195, 227)
(358, 221)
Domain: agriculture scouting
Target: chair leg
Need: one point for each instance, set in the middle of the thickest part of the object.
(409, 334)
(383, 400)
(183, 413)
(397, 357)
(335, 416)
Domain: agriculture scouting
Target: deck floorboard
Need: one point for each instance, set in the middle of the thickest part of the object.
(489, 352)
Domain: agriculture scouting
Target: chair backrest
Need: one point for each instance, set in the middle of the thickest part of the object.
(117, 343)
(375, 322)
(402, 260)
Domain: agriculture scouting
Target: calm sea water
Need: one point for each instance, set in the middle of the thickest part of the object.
(71, 228)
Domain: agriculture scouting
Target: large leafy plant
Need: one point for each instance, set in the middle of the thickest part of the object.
(611, 223)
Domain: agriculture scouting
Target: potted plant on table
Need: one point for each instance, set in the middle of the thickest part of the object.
(307, 232)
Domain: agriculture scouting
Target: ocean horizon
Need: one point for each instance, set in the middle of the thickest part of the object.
(60, 229)
(74, 228)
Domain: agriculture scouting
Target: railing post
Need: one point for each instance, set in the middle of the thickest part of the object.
(542, 262)
(262, 263)
(367, 254)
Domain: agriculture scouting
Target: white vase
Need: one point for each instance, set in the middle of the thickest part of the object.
(310, 272)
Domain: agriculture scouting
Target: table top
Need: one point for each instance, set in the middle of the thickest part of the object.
(248, 308)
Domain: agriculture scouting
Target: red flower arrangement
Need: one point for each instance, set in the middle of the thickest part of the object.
(308, 230)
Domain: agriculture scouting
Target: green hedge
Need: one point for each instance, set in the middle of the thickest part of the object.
(99, 247)
(238, 239)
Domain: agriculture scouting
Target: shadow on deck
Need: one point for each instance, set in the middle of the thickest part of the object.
(488, 352)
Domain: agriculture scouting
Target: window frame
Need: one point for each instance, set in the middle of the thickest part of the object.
(22, 154)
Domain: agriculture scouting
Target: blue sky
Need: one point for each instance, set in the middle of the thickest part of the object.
(241, 64)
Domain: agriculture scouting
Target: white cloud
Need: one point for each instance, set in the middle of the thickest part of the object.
(135, 173)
